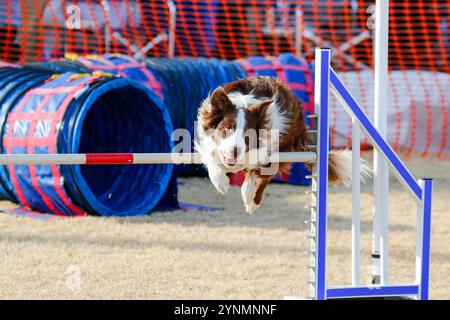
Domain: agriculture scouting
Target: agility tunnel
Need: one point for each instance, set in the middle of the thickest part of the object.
(15, 82)
(83, 113)
(115, 64)
(60, 66)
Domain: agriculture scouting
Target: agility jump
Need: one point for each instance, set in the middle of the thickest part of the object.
(326, 78)
(421, 190)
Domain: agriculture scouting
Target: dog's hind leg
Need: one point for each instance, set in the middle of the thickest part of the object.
(263, 181)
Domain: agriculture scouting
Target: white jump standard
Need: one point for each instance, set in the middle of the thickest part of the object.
(325, 79)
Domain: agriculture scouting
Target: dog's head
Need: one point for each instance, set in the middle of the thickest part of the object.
(237, 124)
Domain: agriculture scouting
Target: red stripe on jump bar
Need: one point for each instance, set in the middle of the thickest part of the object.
(109, 158)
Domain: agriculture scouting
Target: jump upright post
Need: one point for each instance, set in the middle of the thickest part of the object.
(421, 190)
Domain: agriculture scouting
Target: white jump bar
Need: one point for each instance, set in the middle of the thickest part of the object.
(132, 158)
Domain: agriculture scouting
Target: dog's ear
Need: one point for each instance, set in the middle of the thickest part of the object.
(260, 110)
(261, 113)
(214, 107)
(219, 101)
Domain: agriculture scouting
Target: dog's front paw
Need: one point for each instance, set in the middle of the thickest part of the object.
(220, 181)
(248, 192)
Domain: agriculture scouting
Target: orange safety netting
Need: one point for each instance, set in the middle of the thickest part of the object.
(419, 85)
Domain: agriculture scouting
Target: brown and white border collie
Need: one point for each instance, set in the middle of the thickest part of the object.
(241, 124)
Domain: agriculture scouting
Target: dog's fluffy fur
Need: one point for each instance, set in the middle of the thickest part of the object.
(267, 109)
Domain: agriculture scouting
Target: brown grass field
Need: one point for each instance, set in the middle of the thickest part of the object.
(215, 255)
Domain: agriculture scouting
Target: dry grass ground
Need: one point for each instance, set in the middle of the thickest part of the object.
(222, 255)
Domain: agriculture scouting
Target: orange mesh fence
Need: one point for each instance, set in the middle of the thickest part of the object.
(419, 85)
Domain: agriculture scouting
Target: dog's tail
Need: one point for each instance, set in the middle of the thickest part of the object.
(340, 167)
